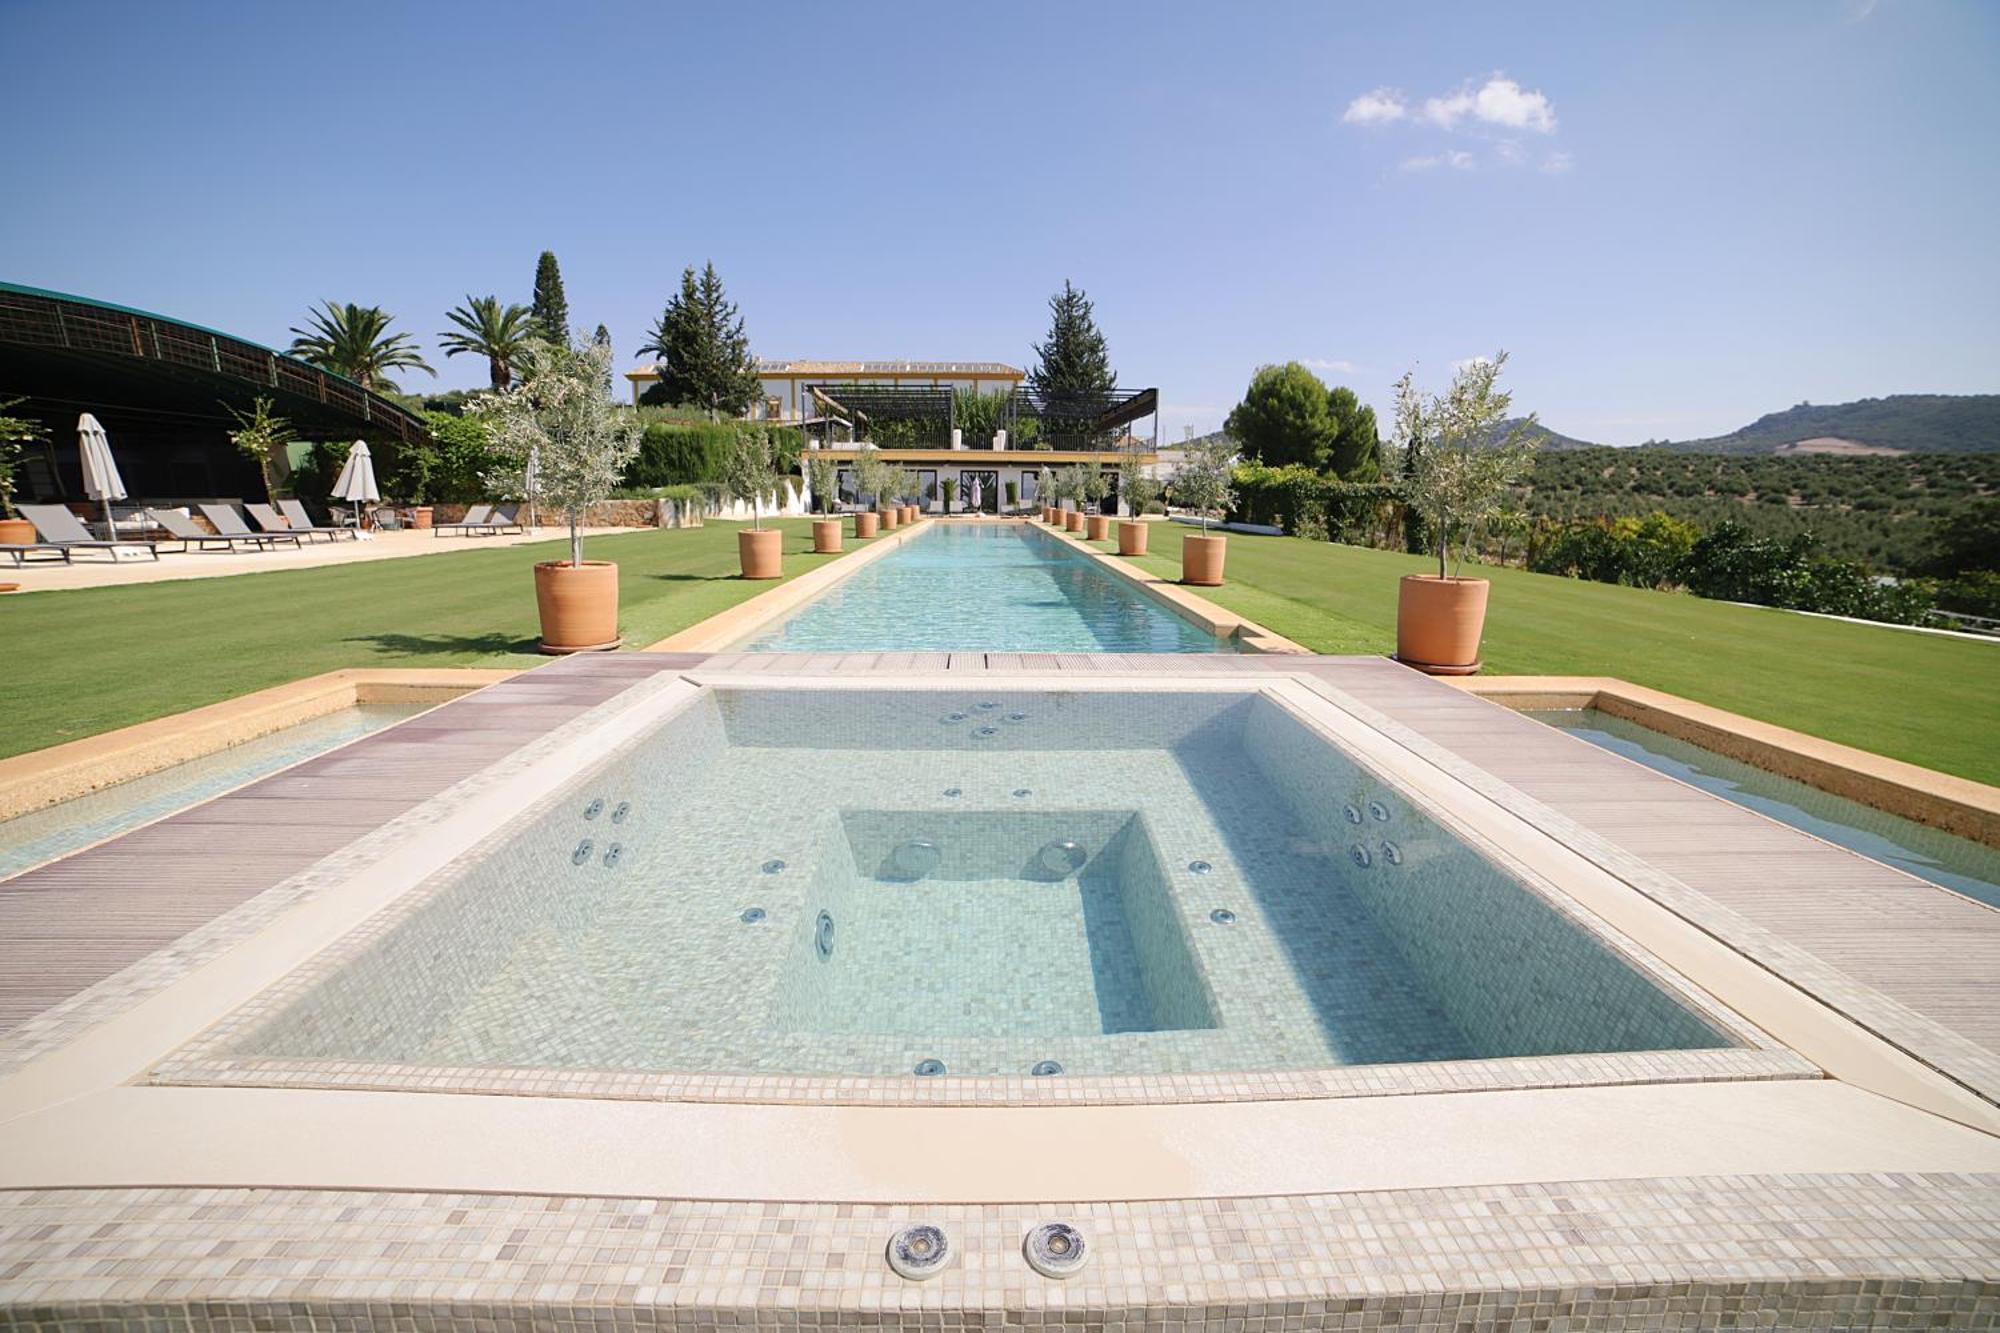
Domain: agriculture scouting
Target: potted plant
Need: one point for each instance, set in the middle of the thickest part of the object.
(14, 530)
(1096, 486)
(1456, 469)
(1071, 486)
(824, 479)
(950, 485)
(1045, 490)
(906, 486)
(580, 440)
(868, 482)
(748, 474)
(1138, 490)
(1202, 484)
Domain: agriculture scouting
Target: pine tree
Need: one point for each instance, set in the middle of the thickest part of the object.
(703, 352)
(551, 307)
(1074, 360)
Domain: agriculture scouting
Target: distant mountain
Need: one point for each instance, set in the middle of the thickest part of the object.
(1907, 423)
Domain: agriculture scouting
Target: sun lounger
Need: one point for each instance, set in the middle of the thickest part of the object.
(182, 529)
(477, 519)
(295, 514)
(63, 536)
(269, 522)
(230, 524)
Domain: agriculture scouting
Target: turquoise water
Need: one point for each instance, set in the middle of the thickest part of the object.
(1000, 587)
(1957, 863)
(868, 881)
(42, 835)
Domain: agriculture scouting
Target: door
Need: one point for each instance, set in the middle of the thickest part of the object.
(979, 489)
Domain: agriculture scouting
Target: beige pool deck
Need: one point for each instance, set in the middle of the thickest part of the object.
(1845, 1172)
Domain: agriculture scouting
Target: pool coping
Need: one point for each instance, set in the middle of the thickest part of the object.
(1218, 620)
(1955, 805)
(57, 773)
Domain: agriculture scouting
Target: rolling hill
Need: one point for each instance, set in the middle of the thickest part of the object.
(1906, 423)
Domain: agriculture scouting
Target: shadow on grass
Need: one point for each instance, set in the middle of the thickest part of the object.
(420, 645)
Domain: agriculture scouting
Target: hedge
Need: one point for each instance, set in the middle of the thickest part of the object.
(674, 453)
(1304, 502)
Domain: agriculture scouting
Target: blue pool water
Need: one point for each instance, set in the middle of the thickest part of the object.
(997, 587)
(887, 882)
(1956, 863)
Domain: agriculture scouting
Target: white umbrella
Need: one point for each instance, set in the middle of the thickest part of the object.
(100, 471)
(531, 482)
(356, 482)
(978, 493)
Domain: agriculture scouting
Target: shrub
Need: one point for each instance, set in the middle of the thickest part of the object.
(1303, 502)
(673, 453)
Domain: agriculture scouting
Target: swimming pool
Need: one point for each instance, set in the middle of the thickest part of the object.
(919, 882)
(1956, 863)
(57, 830)
(1001, 587)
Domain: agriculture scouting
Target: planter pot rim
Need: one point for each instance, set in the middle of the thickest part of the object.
(564, 564)
(1449, 578)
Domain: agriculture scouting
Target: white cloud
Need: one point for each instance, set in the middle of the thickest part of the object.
(1510, 153)
(1454, 158)
(1498, 101)
(1557, 163)
(1379, 107)
(1323, 363)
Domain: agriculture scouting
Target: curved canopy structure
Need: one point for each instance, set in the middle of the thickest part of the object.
(163, 388)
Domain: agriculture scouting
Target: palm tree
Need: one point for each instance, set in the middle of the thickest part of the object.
(501, 334)
(354, 340)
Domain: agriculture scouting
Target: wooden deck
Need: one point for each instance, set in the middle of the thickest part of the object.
(78, 920)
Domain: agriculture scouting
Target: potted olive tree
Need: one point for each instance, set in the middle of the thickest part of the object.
(1045, 491)
(1138, 490)
(1096, 486)
(1069, 486)
(1202, 483)
(869, 482)
(749, 473)
(580, 440)
(14, 530)
(907, 487)
(824, 479)
(1456, 469)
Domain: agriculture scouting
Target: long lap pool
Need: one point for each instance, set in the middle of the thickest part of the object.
(1001, 587)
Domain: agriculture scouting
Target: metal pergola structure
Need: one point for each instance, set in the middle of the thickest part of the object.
(1092, 420)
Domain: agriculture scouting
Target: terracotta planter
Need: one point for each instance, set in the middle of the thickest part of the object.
(826, 535)
(1097, 527)
(1201, 559)
(420, 517)
(16, 532)
(891, 519)
(761, 551)
(1131, 539)
(910, 513)
(579, 605)
(1438, 623)
(865, 523)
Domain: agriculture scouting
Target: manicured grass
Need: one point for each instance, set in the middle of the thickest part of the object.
(87, 660)
(1923, 698)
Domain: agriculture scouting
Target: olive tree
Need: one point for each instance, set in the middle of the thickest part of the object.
(557, 427)
(1457, 464)
(1202, 481)
(824, 478)
(750, 469)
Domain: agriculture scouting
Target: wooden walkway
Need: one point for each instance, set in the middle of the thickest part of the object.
(1934, 954)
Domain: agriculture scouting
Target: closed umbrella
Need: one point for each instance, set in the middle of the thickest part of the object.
(978, 494)
(100, 471)
(356, 482)
(531, 482)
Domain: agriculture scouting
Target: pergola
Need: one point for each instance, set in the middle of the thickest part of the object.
(1092, 420)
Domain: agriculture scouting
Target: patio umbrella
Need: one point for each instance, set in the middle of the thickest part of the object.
(100, 471)
(531, 482)
(356, 482)
(978, 493)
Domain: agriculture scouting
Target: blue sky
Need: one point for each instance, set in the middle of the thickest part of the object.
(1674, 216)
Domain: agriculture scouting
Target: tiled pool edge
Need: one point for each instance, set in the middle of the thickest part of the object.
(735, 624)
(46, 777)
(1798, 1251)
(1224, 624)
(1956, 805)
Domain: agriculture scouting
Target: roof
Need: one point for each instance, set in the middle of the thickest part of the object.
(800, 366)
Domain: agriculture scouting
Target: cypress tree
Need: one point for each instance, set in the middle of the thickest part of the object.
(551, 307)
(602, 338)
(703, 352)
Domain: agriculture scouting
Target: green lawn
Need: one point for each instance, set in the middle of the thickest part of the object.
(88, 660)
(1923, 698)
